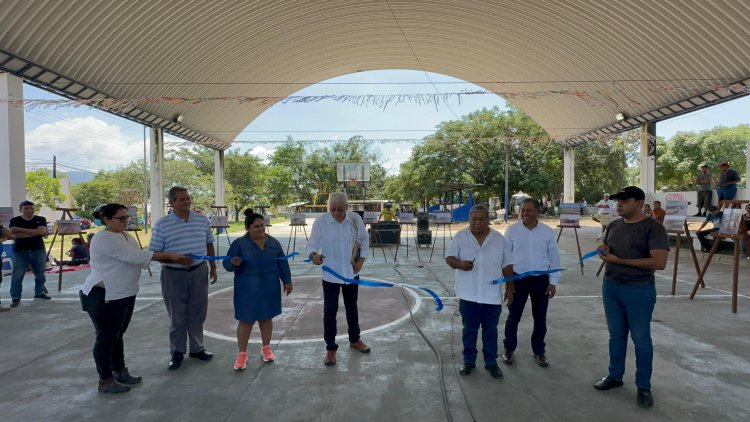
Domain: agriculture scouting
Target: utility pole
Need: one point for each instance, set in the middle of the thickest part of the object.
(54, 166)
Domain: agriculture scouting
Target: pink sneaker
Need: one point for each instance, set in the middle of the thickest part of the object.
(241, 362)
(267, 354)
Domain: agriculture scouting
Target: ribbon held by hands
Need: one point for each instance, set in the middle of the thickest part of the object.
(370, 283)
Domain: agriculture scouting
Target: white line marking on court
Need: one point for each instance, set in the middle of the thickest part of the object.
(692, 283)
(414, 309)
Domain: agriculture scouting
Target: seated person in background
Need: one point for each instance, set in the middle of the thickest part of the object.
(647, 210)
(714, 216)
(79, 254)
(658, 212)
(387, 214)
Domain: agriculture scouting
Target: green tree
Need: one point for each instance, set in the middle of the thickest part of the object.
(245, 174)
(89, 195)
(42, 189)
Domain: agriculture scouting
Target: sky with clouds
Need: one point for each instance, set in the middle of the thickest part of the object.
(96, 140)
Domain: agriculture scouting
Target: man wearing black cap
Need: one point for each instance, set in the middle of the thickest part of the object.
(704, 181)
(714, 216)
(633, 248)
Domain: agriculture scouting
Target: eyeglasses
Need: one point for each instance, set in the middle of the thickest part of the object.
(123, 219)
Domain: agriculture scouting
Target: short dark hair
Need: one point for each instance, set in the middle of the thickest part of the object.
(24, 203)
(173, 191)
(77, 241)
(108, 210)
(531, 201)
(657, 202)
(251, 216)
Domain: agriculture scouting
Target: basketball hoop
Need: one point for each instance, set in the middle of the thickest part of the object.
(354, 180)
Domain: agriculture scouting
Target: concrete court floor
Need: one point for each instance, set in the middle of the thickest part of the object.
(701, 363)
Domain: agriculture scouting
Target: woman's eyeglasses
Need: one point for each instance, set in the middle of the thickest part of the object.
(123, 219)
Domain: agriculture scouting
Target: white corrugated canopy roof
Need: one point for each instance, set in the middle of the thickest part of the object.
(647, 59)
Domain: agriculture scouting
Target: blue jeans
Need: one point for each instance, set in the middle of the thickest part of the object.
(21, 261)
(628, 308)
(536, 288)
(726, 193)
(473, 315)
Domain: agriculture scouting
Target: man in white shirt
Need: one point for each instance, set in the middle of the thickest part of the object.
(534, 249)
(339, 240)
(604, 211)
(480, 255)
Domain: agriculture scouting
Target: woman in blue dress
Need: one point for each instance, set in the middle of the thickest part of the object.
(257, 291)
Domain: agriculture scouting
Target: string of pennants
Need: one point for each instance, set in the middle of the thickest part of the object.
(490, 140)
(593, 97)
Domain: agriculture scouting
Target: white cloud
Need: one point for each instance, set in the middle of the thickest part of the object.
(262, 152)
(85, 141)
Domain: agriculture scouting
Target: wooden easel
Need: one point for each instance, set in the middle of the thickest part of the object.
(66, 215)
(220, 210)
(450, 233)
(294, 228)
(262, 211)
(678, 243)
(740, 236)
(578, 244)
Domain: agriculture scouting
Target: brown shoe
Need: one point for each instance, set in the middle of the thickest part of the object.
(330, 359)
(111, 386)
(361, 346)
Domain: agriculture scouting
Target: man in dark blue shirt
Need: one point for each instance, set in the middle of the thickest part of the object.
(714, 216)
(79, 254)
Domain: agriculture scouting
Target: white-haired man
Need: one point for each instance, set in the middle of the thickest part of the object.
(339, 240)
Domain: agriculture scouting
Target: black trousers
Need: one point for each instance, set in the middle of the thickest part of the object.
(331, 307)
(534, 287)
(111, 320)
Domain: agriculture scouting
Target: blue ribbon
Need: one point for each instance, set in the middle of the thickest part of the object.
(526, 274)
(371, 283)
(589, 255)
(223, 257)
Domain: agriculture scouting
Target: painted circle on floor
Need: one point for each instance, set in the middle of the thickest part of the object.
(301, 318)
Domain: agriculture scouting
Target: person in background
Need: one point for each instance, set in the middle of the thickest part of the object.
(744, 243)
(29, 231)
(79, 254)
(604, 209)
(258, 266)
(646, 210)
(703, 181)
(658, 212)
(584, 206)
(5, 234)
(387, 214)
(726, 188)
(714, 216)
(108, 294)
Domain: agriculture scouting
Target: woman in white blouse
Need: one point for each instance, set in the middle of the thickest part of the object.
(108, 295)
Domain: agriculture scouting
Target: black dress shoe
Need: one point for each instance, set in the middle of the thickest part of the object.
(176, 360)
(606, 383)
(644, 398)
(541, 360)
(495, 372)
(507, 357)
(466, 368)
(42, 296)
(202, 355)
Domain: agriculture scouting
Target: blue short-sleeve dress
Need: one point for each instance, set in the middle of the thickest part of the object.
(257, 291)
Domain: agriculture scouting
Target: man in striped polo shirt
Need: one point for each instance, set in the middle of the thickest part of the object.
(185, 288)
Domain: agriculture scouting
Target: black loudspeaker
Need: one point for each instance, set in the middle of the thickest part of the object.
(424, 237)
(423, 221)
(386, 233)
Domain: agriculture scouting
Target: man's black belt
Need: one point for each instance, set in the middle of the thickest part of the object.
(186, 269)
